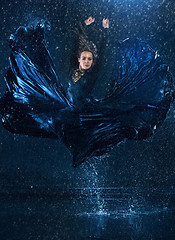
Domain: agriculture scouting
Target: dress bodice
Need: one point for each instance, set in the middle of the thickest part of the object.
(79, 91)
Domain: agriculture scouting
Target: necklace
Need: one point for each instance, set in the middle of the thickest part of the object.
(77, 74)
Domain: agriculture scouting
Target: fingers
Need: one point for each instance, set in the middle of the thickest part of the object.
(89, 20)
(105, 23)
(106, 20)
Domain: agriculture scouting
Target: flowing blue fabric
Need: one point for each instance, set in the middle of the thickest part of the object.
(36, 104)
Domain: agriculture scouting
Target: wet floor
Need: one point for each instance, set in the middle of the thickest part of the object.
(100, 213)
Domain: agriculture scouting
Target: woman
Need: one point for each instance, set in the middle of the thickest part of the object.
(36, 104)
(82, 78)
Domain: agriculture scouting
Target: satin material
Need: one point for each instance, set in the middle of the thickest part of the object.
(36, 104)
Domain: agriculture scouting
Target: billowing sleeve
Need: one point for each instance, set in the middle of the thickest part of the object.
(33, 92)
(134, 109)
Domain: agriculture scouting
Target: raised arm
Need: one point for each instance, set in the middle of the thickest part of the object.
(90, 31)
(102, 43)
(83, 29)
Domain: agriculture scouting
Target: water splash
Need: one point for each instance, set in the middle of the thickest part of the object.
(94, 188)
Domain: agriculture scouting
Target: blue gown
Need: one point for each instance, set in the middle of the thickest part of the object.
(36, 104)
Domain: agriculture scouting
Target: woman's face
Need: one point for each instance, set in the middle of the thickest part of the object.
(85, 61)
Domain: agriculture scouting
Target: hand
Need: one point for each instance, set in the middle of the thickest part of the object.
(105, 23)
(89, 20)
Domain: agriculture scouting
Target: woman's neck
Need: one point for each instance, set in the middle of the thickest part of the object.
(82, 70)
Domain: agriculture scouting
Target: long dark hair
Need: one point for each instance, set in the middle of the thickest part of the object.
(83, 44)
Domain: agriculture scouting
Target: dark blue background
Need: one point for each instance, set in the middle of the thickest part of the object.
(27, 161)
(126, 194)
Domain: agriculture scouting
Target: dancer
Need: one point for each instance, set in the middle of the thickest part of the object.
(36, 104)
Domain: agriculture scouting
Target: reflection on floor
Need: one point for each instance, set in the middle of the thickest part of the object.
(87, 213)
